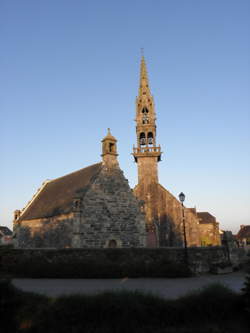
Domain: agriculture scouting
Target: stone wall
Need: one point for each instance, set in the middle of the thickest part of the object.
(102, 263)
(45, 232)
(164, 214)
(110, 212)
(209, 233)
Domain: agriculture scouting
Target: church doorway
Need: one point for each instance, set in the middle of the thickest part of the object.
(112, 243)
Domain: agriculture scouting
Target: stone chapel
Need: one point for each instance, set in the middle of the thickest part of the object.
(94, 207)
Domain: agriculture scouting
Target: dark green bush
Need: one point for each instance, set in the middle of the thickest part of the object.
(18, 309)
(110, 265)
(9, 304)
(213, 302)
(214, 309)
(246, 293)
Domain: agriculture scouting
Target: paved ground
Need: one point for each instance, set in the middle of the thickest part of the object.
(168, 288)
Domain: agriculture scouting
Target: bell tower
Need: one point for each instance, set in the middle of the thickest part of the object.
(146, 153)
(109, 150)
(163, 212)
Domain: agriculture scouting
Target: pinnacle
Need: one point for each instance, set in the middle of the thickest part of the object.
(144, 82)
(109, 136)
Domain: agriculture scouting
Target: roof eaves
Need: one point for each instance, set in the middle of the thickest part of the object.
(34, 197)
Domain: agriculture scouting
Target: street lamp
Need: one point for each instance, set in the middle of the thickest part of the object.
(182, 198)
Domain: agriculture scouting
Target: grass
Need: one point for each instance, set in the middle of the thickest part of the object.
(213, 309)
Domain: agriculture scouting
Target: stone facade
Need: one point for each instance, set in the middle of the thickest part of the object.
(5, 236)
(100, 212)
(243, 236)
(110, 214)
(164, 217)
(51, 232)
(209, 229)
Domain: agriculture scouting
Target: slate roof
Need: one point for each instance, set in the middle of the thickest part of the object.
(5, 231)
(244, 232)
(206, 217)
(58, 195)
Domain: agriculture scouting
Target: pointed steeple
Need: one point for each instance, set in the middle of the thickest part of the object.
(146, 153)
(144, 82)
(144, 99)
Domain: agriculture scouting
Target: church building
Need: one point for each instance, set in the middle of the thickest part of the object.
(95, 208)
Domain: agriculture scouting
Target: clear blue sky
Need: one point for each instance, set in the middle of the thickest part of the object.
(70, 69)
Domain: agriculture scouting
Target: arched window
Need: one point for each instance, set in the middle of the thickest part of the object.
(142, 139)
(150, 138)
(144, 110)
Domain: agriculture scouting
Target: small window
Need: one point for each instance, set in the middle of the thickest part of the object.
(111, 147)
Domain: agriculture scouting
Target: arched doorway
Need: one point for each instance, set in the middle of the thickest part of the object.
(112, 243)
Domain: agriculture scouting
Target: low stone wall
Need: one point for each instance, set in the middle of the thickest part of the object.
(108, 263)
(238, 256)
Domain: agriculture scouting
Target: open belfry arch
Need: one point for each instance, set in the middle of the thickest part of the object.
(163, 211)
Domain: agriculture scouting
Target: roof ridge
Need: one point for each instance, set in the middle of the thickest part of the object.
(71, 173)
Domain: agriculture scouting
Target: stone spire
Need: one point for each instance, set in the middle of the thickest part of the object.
(109, 150)
(144, 82)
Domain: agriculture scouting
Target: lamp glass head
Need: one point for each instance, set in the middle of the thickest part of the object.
(181, 197)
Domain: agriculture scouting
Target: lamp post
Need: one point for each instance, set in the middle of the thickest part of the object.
(182, 198)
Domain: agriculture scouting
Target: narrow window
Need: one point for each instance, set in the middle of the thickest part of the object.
(142, 139)
(150, 138)
(111, 147)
